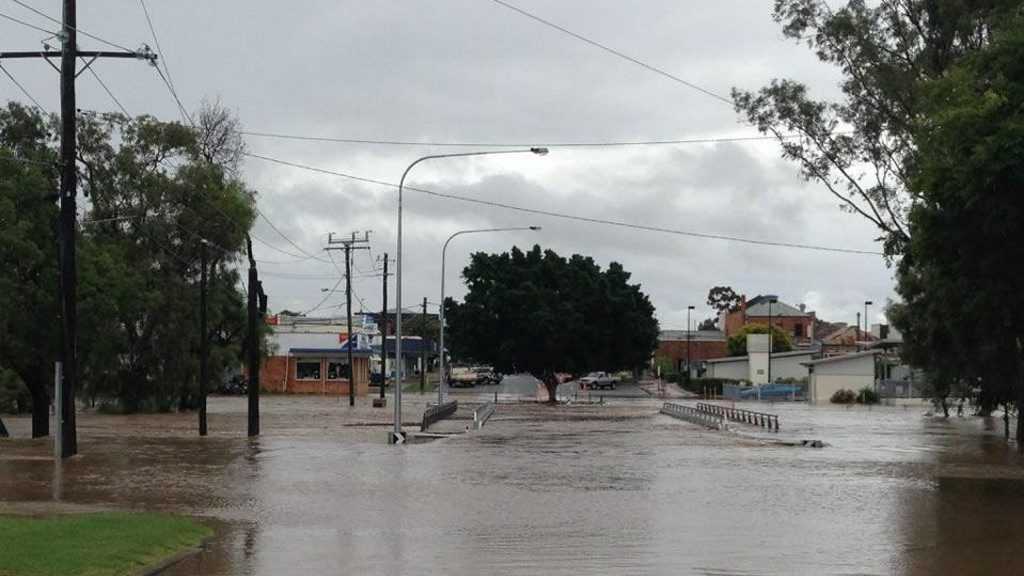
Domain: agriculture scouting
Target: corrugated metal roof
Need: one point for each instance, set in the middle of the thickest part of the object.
(779, 309)
(696, 336)
(842, 358)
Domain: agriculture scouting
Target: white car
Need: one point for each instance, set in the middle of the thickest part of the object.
(598, 381)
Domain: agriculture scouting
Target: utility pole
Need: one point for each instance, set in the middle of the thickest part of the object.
(688, 338)
(257, 307)
(423, 350)
(204, 346)
(348, 245)
(384, 331)
(856, 334)
(68, 54)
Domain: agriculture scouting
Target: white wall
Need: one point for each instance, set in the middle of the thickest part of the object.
(735, 370)
(849, 374)
(790, 366)
(758, 368)
(823, 386)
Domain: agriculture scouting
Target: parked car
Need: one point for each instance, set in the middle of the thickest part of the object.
(598, 381)
(462, 376)
(486, 375)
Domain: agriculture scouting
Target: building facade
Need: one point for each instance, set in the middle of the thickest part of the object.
(310, 356)
(847, 372)
(702, 345)
(794, 320)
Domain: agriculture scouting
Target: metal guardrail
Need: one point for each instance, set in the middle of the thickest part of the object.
(438, 412)
(482, 414)
(694, 416)
(762, 419)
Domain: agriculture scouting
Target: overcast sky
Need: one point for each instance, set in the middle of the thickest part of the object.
(472, 70)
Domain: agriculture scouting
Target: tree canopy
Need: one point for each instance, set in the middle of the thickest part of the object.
(155, 191)
(781, 340)
(724, 299)
(541, 313)
(961, 280)
(862, 149)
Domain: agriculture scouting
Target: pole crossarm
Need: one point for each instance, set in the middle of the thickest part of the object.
(80, 53)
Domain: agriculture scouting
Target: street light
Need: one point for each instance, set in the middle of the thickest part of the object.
(866, 304)
(442, 388)
(397, 434)
(771, 339)
(688, 331)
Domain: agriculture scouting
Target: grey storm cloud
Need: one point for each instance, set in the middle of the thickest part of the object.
(473, 71)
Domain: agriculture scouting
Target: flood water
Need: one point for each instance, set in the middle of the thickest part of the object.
(579, 489)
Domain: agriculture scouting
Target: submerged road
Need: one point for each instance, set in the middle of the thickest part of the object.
(574, 489)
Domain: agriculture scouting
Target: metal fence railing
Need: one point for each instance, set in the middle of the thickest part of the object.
(693, 416)
(762, 419)
(482, 414)
(438, 412)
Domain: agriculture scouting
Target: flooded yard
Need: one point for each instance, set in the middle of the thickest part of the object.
(602, 489)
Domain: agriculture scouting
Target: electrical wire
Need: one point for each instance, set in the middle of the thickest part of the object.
(181, 107)
(24, 23)
(78, 30)
(22, 88)
(606, 144)
(565, 216)
(283, 235)
(615, 52)
(107, 90)
(156, 42)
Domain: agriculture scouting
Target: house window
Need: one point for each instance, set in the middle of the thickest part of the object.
(338, 370)
(307, 370)
(798, 330)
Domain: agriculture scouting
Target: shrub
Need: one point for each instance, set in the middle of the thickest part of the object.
(843, 397)
(867, 396)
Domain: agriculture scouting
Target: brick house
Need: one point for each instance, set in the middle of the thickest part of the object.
(704, 344)
(796, 321)
(310, 356)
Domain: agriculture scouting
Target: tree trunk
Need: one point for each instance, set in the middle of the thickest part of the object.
(551, 383)
(3, 429)
(945, 406)
(40, 408)
(1006, 421)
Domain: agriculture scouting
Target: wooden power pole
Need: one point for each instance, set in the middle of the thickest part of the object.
(348, 245)
(69, 54)
(204, 345)
(384, 331)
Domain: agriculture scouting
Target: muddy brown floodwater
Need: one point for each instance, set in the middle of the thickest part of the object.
(613, 489)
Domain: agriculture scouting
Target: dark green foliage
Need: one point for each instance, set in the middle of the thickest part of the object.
(843, 397)
(961, 279)
(540, 313)
(867, 396)
(723, 299)
(153, 196)
(781, 340)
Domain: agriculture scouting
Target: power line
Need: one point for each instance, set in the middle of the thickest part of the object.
(160, 52)
(24, 23)
(609, 144)
(22, 88)
(613, 51)
(79, 30)
(289, 240)
(107, 90)
(565, 216)
(181, 107)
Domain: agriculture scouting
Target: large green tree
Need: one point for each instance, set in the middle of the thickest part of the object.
(28, 252)
(155, 192)
(541, 313)
(781, 340)
(961, 277)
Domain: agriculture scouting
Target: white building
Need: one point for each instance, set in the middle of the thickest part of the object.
(753, 367)
(848, 372)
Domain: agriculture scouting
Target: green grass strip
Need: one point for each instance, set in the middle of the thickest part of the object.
(101, 544)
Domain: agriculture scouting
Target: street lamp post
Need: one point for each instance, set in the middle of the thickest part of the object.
(442, 388)
(688, 338)
(866, 304)
(771, 340)
(396, 435)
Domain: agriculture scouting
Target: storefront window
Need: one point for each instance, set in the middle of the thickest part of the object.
(307, 370)
(337, 370)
